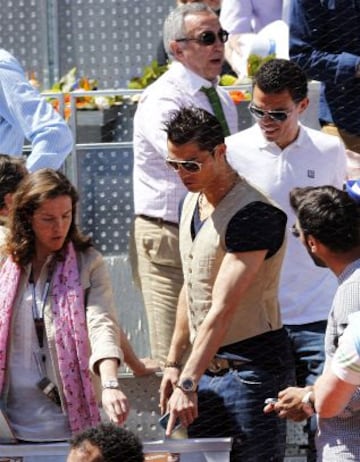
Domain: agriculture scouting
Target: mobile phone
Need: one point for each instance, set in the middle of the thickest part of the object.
(164, 419)
(271, 401)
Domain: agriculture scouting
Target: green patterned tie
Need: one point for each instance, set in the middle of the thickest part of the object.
(215, 102)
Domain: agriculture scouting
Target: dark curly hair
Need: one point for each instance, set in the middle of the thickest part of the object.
(194, 125)
(328, 214)
(12, 171)
(278, 75)
(33, 191)
(116, 444)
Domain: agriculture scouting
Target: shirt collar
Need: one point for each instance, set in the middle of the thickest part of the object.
(265, 144)
(349, 269)
(192, 81)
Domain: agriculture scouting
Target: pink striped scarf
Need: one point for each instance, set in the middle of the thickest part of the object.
(71, 338)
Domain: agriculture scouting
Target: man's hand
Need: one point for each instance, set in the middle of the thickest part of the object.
(168, 383)
(289, 404)
(182, 406)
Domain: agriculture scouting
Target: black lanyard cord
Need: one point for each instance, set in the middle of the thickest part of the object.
(38, 315)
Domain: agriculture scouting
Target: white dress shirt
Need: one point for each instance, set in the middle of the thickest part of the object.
(313, 159)
(157, 188)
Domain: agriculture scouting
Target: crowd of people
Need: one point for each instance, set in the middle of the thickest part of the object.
(247, 330)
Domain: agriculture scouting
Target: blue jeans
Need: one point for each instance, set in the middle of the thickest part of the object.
(232, 405)
(307, 343)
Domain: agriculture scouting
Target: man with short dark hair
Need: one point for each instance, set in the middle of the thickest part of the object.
(328, 223)
(105, 443)
(277, 154)
(231, 246)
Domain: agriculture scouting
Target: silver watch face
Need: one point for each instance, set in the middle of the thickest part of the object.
(188, 385)
(111, 384)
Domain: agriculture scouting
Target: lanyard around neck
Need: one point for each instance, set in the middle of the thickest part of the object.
(38, 314)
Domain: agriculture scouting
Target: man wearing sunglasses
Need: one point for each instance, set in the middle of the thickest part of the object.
(195, 40)
(231, 245)
(161, 55)
(277, 154)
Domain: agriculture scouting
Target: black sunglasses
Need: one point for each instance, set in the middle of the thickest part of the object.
(191, 166)
(207, 37)
(277, 116)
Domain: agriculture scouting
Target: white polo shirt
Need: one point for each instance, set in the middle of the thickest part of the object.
(313, 159)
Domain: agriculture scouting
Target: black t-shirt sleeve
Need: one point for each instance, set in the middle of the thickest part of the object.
(257, 226)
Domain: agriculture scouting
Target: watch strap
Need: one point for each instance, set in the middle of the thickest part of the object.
(174, 364)
(110, 384)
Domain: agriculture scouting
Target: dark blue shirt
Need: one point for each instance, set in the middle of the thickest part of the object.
(325, 42)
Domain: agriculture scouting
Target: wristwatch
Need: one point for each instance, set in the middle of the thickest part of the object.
(187, 385)
(111, 383)
(308, 403)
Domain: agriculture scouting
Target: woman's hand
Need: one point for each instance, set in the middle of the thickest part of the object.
(116, 405)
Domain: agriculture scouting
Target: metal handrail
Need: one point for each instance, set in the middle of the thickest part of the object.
(74, 95)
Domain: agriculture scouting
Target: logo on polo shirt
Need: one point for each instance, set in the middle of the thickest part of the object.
(311, 173)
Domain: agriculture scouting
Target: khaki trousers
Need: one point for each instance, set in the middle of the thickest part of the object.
(157, 268)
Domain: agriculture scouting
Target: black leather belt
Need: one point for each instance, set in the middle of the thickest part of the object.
(219, 366)
(158, 220)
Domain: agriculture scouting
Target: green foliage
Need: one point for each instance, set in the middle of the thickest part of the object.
(226, 80)
(255, 61)
(150, 74)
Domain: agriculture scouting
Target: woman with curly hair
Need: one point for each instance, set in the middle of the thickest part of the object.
(58, 332)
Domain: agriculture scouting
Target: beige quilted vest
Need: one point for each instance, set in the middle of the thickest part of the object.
(258, 311)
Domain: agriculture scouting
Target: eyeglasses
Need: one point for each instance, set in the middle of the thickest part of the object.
(277, 116)
(207, 38)
(294, 231)
(191, 166)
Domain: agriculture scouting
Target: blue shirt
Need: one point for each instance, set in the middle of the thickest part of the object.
(325, 42)
(24, 113)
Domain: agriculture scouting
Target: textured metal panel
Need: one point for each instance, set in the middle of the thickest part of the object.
(105, 189)
(143, 395)
(23, 26)
(110, 40)
(129, 303)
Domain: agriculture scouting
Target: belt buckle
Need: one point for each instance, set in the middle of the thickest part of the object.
(216, 365)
